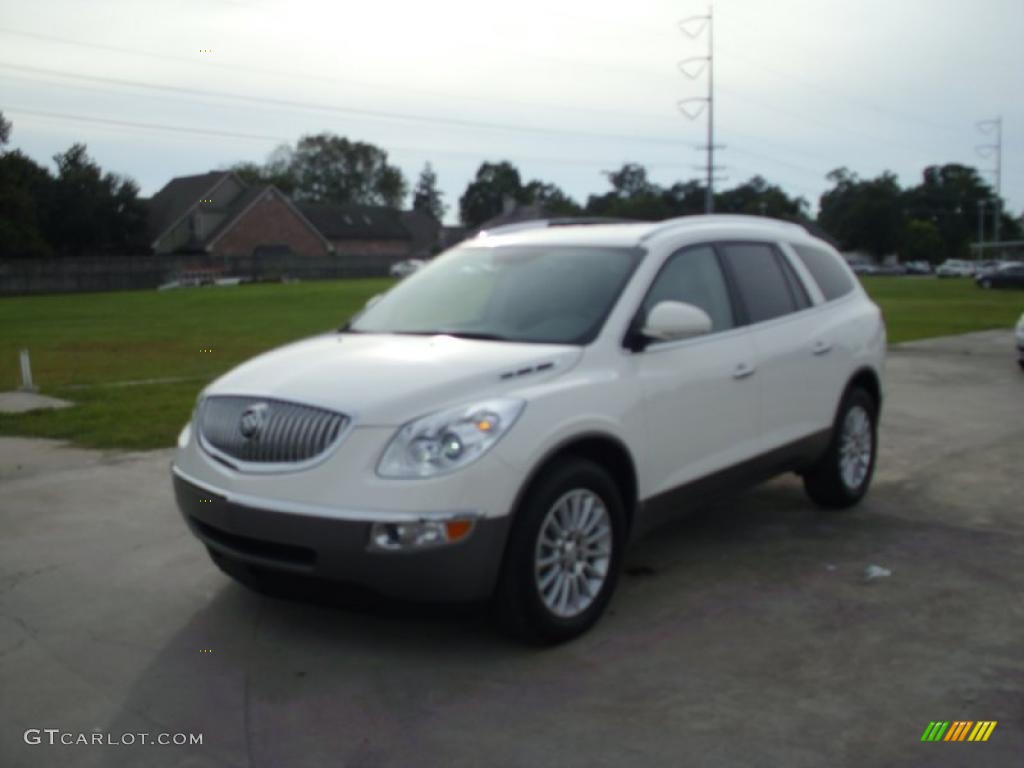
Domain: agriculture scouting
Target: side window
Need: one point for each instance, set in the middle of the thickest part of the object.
(760, 280)
(693, 276)
(826, 270)
(796, 286)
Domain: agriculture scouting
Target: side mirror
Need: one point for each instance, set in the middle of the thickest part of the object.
(675, 320)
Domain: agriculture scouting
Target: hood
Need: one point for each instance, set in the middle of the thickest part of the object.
(386, 380)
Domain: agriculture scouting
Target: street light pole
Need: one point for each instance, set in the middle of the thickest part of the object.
(981, 227)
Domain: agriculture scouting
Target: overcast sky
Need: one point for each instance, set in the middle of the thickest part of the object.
(564, 89)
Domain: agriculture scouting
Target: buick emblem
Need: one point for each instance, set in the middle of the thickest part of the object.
(253, 418)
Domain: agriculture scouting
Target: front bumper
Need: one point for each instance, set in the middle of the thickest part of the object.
(336, 549)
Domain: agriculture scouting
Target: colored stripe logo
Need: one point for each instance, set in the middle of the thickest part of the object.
(959, 730)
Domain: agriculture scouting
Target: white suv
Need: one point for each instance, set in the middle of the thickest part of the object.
(502, 422)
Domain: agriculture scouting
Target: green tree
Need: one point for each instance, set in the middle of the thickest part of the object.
(5, 130)
(485, 196)
(426, 198)
(685, 198)
(89, 210)
(331, 169)
(25, 187)
(757, 197)
(276, 170)
(865, 215)
(633, 196)
(921, 241)
(949, 196)
(551, 198)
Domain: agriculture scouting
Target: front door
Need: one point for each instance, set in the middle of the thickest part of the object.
(700, 395)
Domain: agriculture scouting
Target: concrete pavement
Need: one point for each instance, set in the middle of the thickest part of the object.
(744, 635)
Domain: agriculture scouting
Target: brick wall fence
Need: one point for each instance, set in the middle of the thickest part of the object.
(123, 273)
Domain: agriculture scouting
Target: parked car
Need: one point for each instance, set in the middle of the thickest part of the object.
(891, 270)
(954, 268)
(406, 267)
(917, 268)
(863, 268)
(1020, 341)
(500, 424)
(1010, 276)
(990, 265)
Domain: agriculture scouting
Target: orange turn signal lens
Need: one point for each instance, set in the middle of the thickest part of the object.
(458, 529)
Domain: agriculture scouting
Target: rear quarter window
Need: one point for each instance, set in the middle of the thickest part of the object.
(827, 270)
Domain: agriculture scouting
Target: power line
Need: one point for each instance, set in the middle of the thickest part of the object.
(161, 127)
(147, 126)
(278, 138)
(366, 113)
(829, 89)
(802, 118)
(258, 70)
(292, 75)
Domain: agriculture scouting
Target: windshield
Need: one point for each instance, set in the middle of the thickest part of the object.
(542, 294)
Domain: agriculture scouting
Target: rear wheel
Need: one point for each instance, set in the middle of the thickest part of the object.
(564, 552)
(842, 476)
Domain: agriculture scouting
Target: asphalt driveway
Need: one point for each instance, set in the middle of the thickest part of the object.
(744, 635)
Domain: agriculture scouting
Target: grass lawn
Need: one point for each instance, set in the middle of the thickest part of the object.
(82, 345)
(85, 346)
(919, 308)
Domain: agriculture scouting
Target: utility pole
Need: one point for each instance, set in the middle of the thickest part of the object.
(995, 151)
(981, 229)
(693, 27)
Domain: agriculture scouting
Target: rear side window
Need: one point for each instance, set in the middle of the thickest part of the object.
(826, 270)
(759, 277)
(803, 301)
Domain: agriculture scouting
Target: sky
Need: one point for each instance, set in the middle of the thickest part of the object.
(565, 90)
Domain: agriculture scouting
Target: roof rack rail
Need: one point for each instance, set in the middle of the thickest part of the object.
(561, 221)
(669, 225)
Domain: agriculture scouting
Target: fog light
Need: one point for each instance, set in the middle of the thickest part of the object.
(423, 534)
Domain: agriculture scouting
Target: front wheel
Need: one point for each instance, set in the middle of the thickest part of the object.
(842, 476)
(563, 555)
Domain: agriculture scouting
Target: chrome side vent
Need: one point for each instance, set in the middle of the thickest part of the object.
(527, 371)
(265, 434)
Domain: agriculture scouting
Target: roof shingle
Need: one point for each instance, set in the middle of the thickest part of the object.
(347, 221)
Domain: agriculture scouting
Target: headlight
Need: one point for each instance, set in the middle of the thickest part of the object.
(448, 440)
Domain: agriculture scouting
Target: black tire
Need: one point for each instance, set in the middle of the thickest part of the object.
(824, 482)
(986, 284)
(519, 606)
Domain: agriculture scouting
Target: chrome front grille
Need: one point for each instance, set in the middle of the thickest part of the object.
(266, 433)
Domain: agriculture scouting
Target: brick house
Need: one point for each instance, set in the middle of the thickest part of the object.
(373, 232)
(217, 213)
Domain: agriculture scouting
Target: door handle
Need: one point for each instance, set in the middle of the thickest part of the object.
(821, 347)
(743, 370)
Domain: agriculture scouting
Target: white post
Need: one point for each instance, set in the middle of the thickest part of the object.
(26, 373)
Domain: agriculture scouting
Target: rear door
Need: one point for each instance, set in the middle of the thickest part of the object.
(785, 338)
